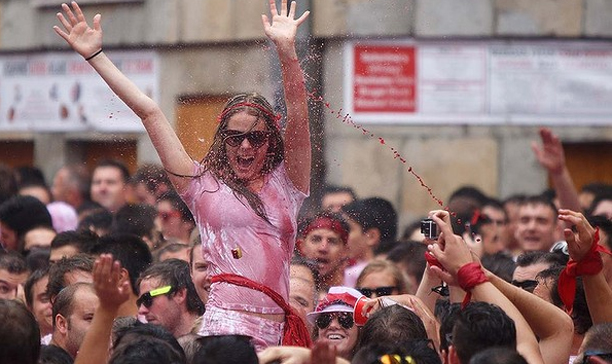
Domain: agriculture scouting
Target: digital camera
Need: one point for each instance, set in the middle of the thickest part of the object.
(429, 229)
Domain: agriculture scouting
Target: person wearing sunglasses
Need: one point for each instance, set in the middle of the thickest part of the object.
(381, 278)
(529, 264)
(168, 297)
(333, 321)
(246, 192)
(175, 219)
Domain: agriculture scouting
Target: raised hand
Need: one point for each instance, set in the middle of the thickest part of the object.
(109, 287)
(323, 353)
(284, 355)
(550, 155)
(579, 242)
(450, 250)
(282, 28)
(84, 40)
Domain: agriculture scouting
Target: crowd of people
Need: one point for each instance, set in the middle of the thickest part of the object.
(216, 262)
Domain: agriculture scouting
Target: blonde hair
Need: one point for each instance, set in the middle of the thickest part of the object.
(381, 265)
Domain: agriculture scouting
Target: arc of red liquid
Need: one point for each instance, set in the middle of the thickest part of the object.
(346, 119)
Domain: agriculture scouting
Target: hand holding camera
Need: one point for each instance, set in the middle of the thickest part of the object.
(450, 249)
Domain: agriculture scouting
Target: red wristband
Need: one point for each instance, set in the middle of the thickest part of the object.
(589, 265)
(469, 276)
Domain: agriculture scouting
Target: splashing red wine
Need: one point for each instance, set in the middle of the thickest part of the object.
(346, 119)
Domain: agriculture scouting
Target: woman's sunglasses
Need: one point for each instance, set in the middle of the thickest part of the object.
(146, 299)
(345, 319)
(380, 291)
(234, 138)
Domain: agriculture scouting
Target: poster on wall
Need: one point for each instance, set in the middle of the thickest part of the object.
(479, 82)
(59, 92)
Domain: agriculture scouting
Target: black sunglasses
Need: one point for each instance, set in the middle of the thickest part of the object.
(234, 138)
(380, 291)
(345, 319)
(146, 299)
(528, 285)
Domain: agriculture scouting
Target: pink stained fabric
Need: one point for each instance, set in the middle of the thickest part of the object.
(63, 216)
(263, 333)
(227, 224)
(352, 273)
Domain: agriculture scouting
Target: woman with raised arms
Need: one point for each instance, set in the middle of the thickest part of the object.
(245, 194)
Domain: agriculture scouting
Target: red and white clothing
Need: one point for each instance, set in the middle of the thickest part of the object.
(229, 228)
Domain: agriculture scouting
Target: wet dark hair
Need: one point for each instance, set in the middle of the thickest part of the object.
(446, 313)
(97, 218)
(23, 213)
(137, 329)
(498, 355)
(534, 257)
(147, 343)
(392, 324)
(176, 273)
(51, 354)
(36, 276)
(137, 219)
(13, 262)
(130, 250)
(377, 213)
(479, 326)
(215, 161)
(58, 270)
(501, 264)
(82, 240)
(20, 335)
(226, 349)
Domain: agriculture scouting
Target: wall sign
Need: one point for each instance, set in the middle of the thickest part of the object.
(530, 83)
(60, 92)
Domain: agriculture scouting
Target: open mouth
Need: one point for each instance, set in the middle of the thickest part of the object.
(322, 262)
(334, 336)
(245, 162)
